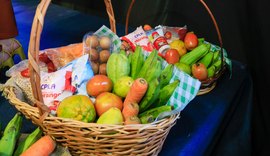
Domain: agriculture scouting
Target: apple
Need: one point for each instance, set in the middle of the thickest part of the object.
(98, 84)
(172, 56)
(191, 41)
(199, 71)
(107, 100)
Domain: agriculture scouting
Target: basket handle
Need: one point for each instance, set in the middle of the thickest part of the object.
(33, 50)
(207, 9)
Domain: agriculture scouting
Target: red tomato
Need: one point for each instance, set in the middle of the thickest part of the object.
(191, 41)
(172, 56)
(25, 73)
(147, 27)
(168, 35)
(98, 84)
(199, 71)
(107, 100)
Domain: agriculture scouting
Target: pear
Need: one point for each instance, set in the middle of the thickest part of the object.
(122, 86)
(112, 116)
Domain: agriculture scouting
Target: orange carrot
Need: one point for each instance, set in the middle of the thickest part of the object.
(132, 120)
(137, 91)
(130, 109)
(42, 147)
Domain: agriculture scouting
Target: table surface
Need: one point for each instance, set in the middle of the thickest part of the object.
(217, 123)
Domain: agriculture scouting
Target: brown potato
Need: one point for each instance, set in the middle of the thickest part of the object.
(95, 67)
(102, 69)
(104, 56)
(105, 42)
(92, 41)
(93, 54)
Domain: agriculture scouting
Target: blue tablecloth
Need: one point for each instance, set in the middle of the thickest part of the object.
(217, 123)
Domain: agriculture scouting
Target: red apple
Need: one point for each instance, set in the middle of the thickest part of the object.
(107, 100)
(199, 71)
(172, 56)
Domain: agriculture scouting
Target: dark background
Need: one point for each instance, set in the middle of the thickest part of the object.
(245, 30)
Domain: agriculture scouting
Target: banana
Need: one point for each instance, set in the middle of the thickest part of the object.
(151, 114)
(11, 135)
(166, 75)
(152, 58)
(217, 64)
(216, 56)
(136, 61)
(28, 141)
(166, 92)
(151, 95)
(207, 59)
(211, 71)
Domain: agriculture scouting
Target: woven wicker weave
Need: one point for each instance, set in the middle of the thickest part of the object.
(209, 84)
(86, 138)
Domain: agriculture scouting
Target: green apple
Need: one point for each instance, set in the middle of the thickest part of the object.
(122, 86)
(184, 67)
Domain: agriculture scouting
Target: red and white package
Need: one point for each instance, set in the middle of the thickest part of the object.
(138, 37)
(172, 33)
(53, 84)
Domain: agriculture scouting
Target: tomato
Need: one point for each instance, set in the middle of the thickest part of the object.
(168, 35)
(172, 56)
(147, 27)
(199, 71)
(107, 100)
(191, 41)
(98, 84)
(25, 73)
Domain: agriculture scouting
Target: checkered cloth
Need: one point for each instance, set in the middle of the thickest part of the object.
(105, 31)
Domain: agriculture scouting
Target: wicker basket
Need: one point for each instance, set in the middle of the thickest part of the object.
(86, 138)
(209, 84)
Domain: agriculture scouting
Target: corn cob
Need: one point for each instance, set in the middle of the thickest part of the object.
(136, 62)
(150, 115)
(152, 58)
(166, 75)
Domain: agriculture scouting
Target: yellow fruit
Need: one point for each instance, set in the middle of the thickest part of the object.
(77, 107)
(179, 45)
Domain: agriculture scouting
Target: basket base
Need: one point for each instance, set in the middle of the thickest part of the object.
(207, 89)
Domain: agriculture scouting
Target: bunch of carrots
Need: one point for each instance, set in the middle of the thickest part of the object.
(131, 107)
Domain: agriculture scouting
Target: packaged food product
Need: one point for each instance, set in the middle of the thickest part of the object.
(99, 49)
(173, 33)
(61, 56)
(137, 37)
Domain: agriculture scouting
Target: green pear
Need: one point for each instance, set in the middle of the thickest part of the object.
(183, 67)
(112, 116)
(122, 86)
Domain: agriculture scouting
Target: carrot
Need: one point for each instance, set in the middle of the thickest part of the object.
(137, 91)
(130, 109)
(42, 147)
(132, 120)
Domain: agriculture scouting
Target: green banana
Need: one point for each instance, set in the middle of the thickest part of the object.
(217, 64)
(211, 71)
(152, 58)
(28, 141)
(154, 71)
(166, 92)
(151, 95)
(166, 75)
(216, 56)
(151, 114)
(11, 135)
(200, 41)
(207, 59)
(194, 55)
(136, 61)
